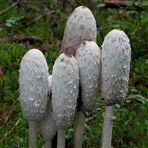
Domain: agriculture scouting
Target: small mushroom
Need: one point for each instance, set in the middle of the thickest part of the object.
(33, 81)
(88, 58)
(116, 57)
(47, 125)
(65, 87)
(80, 26)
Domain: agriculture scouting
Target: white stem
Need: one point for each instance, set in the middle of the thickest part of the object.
(107, 127)
(48, 143)
(79, 129)
(61, 138)
(32, 134)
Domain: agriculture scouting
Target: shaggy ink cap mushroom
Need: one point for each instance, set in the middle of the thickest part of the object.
(116, 57)
(65, 87)
(48, 125)
(33, 81)
(88, 58)
(80, 26)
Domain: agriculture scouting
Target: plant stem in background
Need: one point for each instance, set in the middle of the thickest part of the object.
(78, 129)
(61, 138)
(107, 127)
(48, 143)
(32, 134)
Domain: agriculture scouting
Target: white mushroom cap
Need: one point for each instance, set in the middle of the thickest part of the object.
(116, 57)
(33, 82)
(80, 26)
(65, 87)
(88, 58)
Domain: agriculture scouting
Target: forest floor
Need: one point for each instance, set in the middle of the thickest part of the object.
(40, 25)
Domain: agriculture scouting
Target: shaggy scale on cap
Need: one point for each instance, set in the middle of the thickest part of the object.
(88, 58)
(65, 87)
(33, 81)
(81, 26)
(116, 57)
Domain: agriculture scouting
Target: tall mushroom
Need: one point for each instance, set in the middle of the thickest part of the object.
(33, 81)
(47, 125)
(88, 58)
(116, 57)
(65, 84)
(80, 26)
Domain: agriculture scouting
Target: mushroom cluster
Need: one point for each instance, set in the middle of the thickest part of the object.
(56, 101)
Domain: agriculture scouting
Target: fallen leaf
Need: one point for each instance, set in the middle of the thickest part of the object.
(114, 2)
(134, 76)
(1, 72)
(59, 43)
(44, 47)
(5, 114)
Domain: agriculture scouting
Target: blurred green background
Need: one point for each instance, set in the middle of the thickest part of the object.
(26, 24)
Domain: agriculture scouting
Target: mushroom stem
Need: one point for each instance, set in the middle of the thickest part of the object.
(61, 138)
(32, 134)
(78, 129)
(48, 143)
(107, 127)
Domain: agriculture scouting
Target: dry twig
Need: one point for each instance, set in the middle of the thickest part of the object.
(10, 7)
(46, 13)
(30, 39)
(4, 115)
(10, 131)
